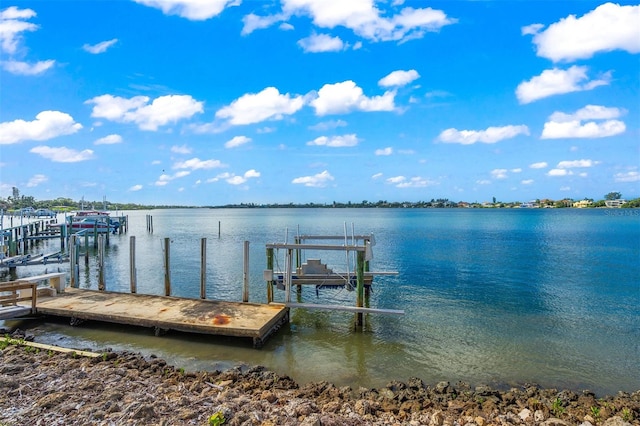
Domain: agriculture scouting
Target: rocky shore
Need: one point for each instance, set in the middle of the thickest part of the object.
(44, 387)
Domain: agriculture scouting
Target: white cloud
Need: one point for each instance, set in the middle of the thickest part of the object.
(135, 188)
(164, 178)
(195, 10)
(490, 135)
(574, 129)
(384, 151)
(268, 104)
(527, 181)
(499, 173)
(606, 28)
(12, 24)
(562, 125)
(319, 180)
(399, 78)
(377, 176)
(251, 174)
(414, 182)
(328, 125)
(335, 141)
(632, 176)
(196, 164)
(233, 179)
(254, 22)
(163, 110)
(37, 180)
(483, 182)
(558, 172)
(100, 47)
(181, 149)
(316, 43)
(344, 97)
(47, 125)
(540, 165)
(24, 68)
(576, 163)
(62, 154)
(236, 141)
(364, 18)
(556, 82)
(109, 140)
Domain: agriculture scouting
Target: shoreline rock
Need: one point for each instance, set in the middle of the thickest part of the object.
(40, 387)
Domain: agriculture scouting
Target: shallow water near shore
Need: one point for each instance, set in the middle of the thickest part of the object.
(502, 297)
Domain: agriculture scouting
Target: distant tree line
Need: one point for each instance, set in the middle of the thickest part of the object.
(17, 201)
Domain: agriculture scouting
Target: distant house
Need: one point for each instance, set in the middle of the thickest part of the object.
(614, 204)
(582, 204)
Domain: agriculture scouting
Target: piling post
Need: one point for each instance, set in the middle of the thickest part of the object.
(287, 277)
(86, 248)
(360, 287)
(73, 279)
(132, 263)
(203, 268)
(270, 282)
(218, 229)
(101, 246)
(167, 270)
(245, 273)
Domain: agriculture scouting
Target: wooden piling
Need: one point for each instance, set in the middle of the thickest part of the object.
(360, 287)
(167, 270)
(101, 247)
(73, 279)
(132, 264)
(203, 268)
(245, 273)
(270, 282)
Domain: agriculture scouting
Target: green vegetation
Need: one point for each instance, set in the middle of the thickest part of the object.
(16, 202)
(216, 419)
(627, 415)
(556, 408)
(595, 413)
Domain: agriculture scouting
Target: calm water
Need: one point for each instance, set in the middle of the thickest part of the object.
(490, 296)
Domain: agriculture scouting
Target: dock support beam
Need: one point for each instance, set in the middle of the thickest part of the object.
(245, 273)
(203, 268)
(132, 264)
(167, 269)
(360, 288)
(270, 282)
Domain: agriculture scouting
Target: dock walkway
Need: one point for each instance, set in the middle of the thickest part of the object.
(236, 319)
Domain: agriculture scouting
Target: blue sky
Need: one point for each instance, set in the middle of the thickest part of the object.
(195, 102)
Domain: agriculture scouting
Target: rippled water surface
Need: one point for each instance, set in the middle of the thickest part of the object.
(490, 296)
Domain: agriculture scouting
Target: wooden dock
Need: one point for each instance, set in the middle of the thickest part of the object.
(236, 319)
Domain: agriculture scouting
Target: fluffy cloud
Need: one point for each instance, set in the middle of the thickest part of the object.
(384, 151)
(47, 125)
(316, 43)
(344, 97)
(195, 10)
(25, 68)
(608, 27)
(363, 17)
(562, 125)
(181, 149)
(109, 140)
(335, 141)
(148, 116)
(556, 82)
(135, 188)
(36, 180)
(319, 180)
(414, 182)
(576, 163)
(399, 78)
(632, 176)
(540, 165)
(99, 47)
(196, 163)
(268, 104)
(490, 135)
(233, 179)
(62, 154)
(164, 178)
(12, 25)
(236, 141)
(499, 173)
